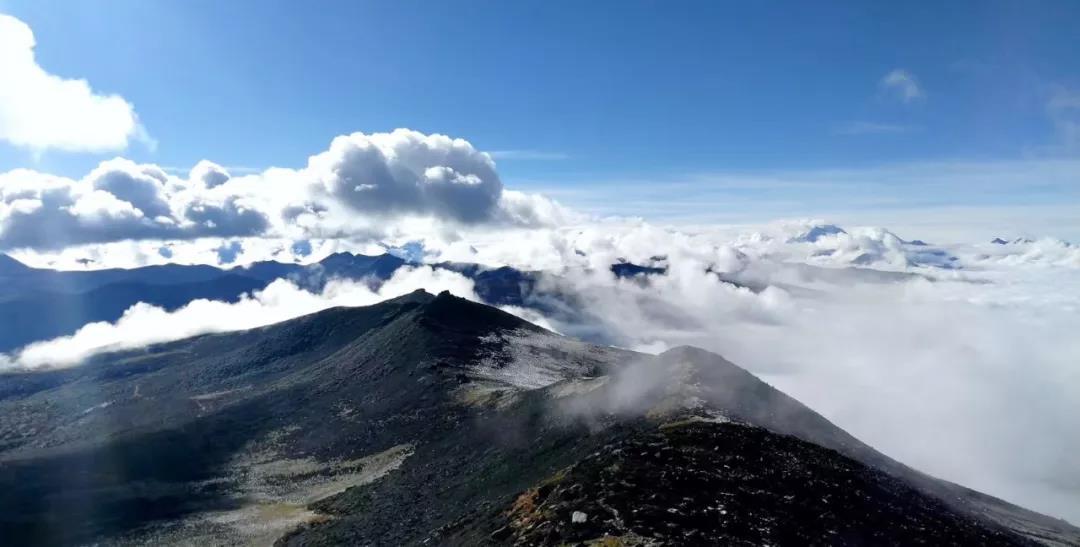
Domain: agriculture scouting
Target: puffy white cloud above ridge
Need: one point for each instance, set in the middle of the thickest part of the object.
(353, 189)
(119, 200)
(40, 111)
(409, 172)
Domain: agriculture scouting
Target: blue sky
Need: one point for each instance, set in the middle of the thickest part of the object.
(584, 96)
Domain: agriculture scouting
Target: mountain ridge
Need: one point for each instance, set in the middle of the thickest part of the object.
(336, 421)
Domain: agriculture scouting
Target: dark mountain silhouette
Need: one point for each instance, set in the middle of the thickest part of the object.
(9, 267)
(40, 304)
(344, 265)
(625, 269)
(38, 316)
(20, 279)
(498, 286)
(435, 420)
(353, 266)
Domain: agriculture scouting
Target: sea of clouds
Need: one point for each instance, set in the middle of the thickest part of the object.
(959, 358)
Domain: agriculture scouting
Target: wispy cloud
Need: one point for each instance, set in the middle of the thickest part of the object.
(1063, 108)
(534, 155)
(871, 128)
(902, 85)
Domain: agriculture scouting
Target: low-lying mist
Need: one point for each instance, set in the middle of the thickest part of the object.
(941, 375)
(967, 368)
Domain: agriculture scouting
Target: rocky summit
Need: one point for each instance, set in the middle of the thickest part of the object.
(433, 420)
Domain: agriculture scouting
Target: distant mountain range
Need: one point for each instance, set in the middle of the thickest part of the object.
(433, 420)
(40, 304)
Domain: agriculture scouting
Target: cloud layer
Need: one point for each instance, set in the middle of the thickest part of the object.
(119, 200)
(40, 111)
(357, 188)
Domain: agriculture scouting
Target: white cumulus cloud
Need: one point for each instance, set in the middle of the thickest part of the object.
(409, 172)
(39, 110)
(363, 186)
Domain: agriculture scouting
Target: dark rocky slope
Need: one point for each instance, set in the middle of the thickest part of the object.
(697, 482)
(434, 420)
